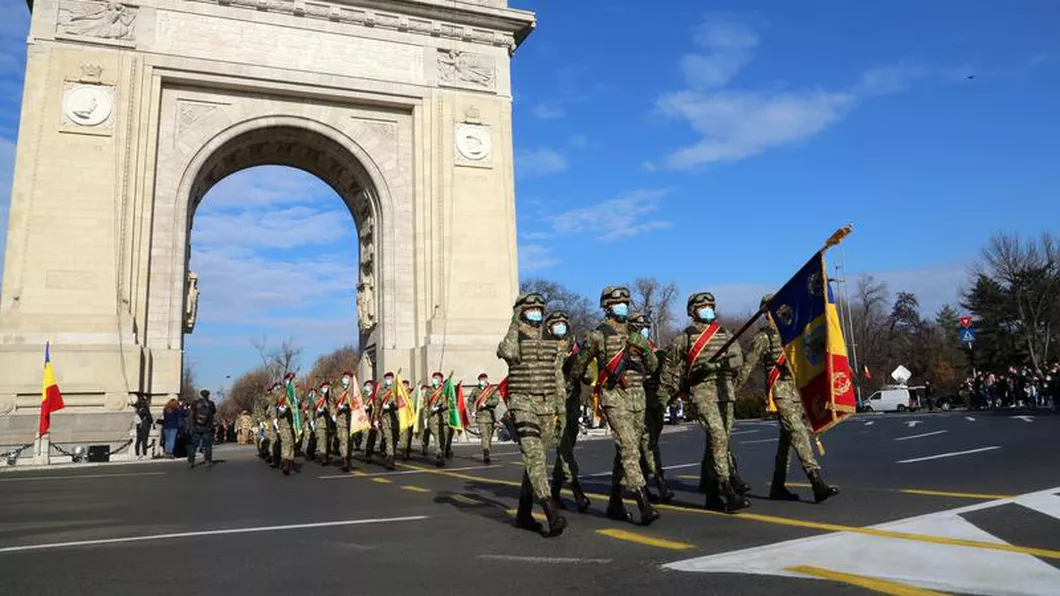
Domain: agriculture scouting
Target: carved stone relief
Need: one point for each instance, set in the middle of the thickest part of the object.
(191, 302)
(467, 70)
(474, 145)
(88, 106)
(101, 19)
(366, 302)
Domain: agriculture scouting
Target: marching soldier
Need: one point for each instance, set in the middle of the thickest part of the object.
(405, 438)
(386, 408)
(623, 357)
(425, 418)
(342, 420)
(767, 352)
(263, 421)
(655, 404)
(284, 422)
(309, 443)
(438, 421)
(533, 366)
(368, 394)
(322, 409)
(567, 407)
(708, 386)
(486, 399)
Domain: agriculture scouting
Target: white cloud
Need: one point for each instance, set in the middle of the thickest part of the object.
(273, 228)
(546, 111)
(615, 219)
(535, 236)
(728, 43)
(535, 257)
(268, 186)
(579, 141)
(540, 161)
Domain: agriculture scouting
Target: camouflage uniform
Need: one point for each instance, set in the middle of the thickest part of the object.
(387, 423)
(709, 388)
(622, 397)
(765, 352)
(285, 430)
(322, 410)
(342, 427)
(485, 416)
(534, 364)
(438, 424)
(656, 399)
(263, 422)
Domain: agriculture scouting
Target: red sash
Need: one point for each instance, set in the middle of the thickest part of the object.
(434, 397)
(774, 373)
(343, 399)
(607, 371)
(486, 391)
(387, 397)
(320, 403)
(701, 342)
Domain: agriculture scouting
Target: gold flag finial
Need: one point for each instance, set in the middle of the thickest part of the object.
(839, 235)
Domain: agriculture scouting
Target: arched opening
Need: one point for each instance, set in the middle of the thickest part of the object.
(274, 256)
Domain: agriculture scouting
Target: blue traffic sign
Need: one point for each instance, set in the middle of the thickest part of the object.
(967, 336)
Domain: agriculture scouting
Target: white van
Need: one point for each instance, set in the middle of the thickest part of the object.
(889, 399)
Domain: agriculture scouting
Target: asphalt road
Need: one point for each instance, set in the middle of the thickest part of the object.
(955, 502)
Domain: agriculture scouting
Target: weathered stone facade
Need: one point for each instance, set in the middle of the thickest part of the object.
(133, 110)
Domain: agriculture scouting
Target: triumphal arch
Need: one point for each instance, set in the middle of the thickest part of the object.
(133, 110)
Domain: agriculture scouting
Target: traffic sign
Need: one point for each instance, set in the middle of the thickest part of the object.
(966, 322)
(967, 336)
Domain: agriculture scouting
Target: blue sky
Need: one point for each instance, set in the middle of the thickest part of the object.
(715, 149)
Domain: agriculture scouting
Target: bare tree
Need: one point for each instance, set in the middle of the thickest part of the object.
(869, 319)
(188, 390)
(583, 314)
(280, 360)
(330, 367)
(657, 301)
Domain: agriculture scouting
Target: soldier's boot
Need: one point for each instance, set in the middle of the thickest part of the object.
(346, 464)
(407, 454)
(777, 490)
(821, 489)
(615, 509)
(739, 485)
(648, 513)
(390, 463)
(580, 500)
(556, 522)
(287, 465)
(276, 455)
(423, 450)
(665, 494)
(557, 488)
(440, 462)
(486, 456)
(734, 501)
(524, 517)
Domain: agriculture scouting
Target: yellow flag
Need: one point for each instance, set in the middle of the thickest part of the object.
(406, 411)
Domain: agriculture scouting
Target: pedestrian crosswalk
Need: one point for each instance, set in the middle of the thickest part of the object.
(975, 550)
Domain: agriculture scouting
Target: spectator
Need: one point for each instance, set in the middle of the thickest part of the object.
(142, 422)
(171, 421)
(929, 396)
(201, 425)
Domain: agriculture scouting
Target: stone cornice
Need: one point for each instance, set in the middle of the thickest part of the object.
(504, 27)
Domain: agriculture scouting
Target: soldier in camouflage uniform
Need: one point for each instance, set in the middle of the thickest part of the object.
(709, 388)
(438, 418)
(342, 420)
(623, 358)
(263, 424)
(285, 430)
(567, 406)
(655, 403)
(386, 418)
(533, 366)
(368, 395)
(322, 412)
(485, 412)
(405, 436)
(766, 352)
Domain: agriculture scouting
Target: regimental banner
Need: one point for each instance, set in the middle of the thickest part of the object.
(359, 421)
(806, 316)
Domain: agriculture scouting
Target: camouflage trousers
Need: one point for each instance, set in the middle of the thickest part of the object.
(716, 418)
(535, 421)
(793, 433)
(286, 436)
(342, 432)
(404, 439)
(387, 425)
(627, 426)
(650, 456)
(566, 468)
(486, 418)
(321, 432)
(438, 423)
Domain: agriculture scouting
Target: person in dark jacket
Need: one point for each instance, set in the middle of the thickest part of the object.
(170, 426)
(143, 426)
(201, 428)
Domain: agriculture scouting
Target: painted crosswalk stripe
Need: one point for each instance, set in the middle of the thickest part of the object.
(381, 480)
(921, 435)
(415, 489)
(950, 454)
(643, 539)
(869, 583)
(943, 493)
(550, 560)
(759, 441)
(360, 474)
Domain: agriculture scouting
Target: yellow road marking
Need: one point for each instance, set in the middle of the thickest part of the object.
(869, 583)
(538, 516)
(642, 539)
(358, 473)
(942, 493)
(800, 523)
(688, 477)
(465, 500)
(415, 489)
(381, 480)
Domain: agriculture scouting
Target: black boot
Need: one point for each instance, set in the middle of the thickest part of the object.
(276, 459)
(615, 509)
(486, 456)
(580, 500)
(440, 462)
(648, 513)
(777, 490)
(821, 489)
(390, 463)
(733, 500)
(287, 465)
(557, 488)
(739, 485)
(665, 494)
(524, 516)
(346, 465)
(556, 522)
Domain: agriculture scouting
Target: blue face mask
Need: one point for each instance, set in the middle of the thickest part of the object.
(534, 316)
(706, 314)
(646, 332)
(388, 382)
(620, 310)
(559, 329)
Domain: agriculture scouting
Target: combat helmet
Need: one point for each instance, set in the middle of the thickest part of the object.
(639, 321)
(614, 295)
(698, 300)
(556, 316)
(530, 300)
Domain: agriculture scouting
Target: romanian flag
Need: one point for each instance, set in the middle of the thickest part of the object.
(51, 398)
(502, 388)
(805, 313)
(405, 408)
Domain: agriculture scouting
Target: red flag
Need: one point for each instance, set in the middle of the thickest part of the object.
(502, 388)
(51, 397)
(461, 405)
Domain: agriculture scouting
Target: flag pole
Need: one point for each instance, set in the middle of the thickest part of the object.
(833, 240)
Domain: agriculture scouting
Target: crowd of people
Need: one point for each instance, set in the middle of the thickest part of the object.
(182, 424)
(549, 374)
(1017, 387)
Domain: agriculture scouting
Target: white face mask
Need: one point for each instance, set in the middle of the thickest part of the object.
(483, 384)
(435, 382)
(367, 388)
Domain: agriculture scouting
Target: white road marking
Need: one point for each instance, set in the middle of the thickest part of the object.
(870, 423)
(77, 476)
(951, 454)
(760, 441)
(934, 566)
(969, 418)
(350, 522)
(676, 467)
(1024, 418)
(744, 432)
(930, 434)
(406, 472)
(912, 423)
(542, 559)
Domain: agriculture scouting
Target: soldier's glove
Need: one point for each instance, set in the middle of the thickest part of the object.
(281, 409)
(436, 409)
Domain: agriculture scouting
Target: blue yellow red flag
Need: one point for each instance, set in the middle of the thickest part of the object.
(805, 314)
(51, 397)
